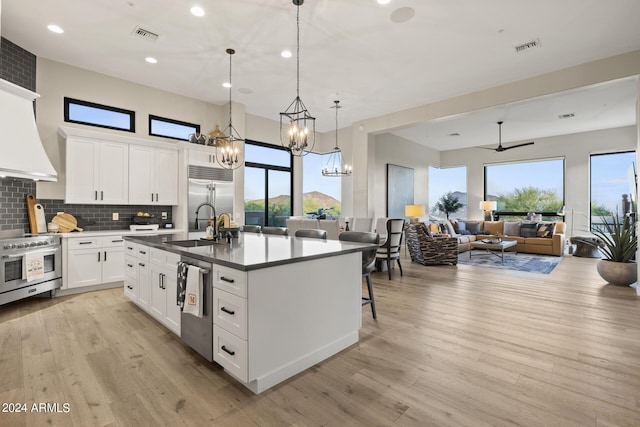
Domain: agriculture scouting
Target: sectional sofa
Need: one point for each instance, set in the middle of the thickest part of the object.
(545, 237)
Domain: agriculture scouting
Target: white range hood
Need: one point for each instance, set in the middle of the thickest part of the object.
(22, 154)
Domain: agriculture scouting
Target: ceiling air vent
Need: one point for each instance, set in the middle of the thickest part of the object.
(454, 134)
(145, 34)
(566, 116)
(528, 45)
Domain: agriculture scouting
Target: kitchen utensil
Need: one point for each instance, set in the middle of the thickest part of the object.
(66, 222)
(31, 211)
(40, 219)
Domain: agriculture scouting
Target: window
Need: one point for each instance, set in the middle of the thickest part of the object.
(448, 180)
(268, 182)
(320, 192)
(169, 128)
(522, 187)
(612, 178)
(89, 113)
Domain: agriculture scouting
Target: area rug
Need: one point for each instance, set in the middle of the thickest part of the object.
(543, 264)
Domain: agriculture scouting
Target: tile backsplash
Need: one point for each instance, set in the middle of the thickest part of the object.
(13, 209)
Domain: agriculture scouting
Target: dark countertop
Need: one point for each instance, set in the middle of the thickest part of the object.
(251, 251)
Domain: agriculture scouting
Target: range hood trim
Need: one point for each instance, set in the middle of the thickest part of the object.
(23, 154)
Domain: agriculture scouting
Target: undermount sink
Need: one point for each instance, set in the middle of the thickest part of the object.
(194, 243)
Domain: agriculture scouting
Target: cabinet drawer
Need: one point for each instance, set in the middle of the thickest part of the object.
(230, 280)
(231, 353)
(131, 248)
(130, 267)
(230, 313)
(142, 253)
(130, 289)
(80, 243)
(162, 257)
(113, 242)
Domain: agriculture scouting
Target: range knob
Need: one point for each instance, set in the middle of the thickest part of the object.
(41, 243)
(19, 245)
(7, 246)
(32, 244)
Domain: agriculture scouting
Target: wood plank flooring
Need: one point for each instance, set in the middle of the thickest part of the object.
(452, 346)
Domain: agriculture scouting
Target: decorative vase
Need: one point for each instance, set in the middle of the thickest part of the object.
(618, 273)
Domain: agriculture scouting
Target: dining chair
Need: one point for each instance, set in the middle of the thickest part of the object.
(281, 231)
(332, 226)
(361, 224)
(368, 260)
(389, 251)
(251, 228)
(381, 229)
(314, 233)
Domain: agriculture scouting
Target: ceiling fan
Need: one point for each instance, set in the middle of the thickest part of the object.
(500, 147)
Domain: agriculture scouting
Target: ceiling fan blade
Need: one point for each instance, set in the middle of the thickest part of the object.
(517, 145)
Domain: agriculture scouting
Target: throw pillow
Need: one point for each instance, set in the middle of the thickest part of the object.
(443, 228)
(546, 229)
(450, 230)
(464, 232)
(512, 228)
(529, 229)
(461, 226)
(473, 227)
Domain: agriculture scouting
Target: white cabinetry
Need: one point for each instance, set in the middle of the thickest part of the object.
(164, 285)
(153, 176)
(202, 157)
(94, 261)
(96, 172)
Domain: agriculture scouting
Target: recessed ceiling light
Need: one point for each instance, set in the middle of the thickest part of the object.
(151, 60)
(286, 54)
(226, 84)
(55, 29)
(402, 15)
(384, 1)
(197, 11)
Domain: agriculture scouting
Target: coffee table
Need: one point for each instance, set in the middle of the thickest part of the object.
(493, 247)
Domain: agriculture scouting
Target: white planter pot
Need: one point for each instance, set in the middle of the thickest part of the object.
(618, 273)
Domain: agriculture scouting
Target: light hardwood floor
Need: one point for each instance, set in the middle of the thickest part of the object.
(459, 346)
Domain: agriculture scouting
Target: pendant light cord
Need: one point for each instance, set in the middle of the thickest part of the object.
(337, 148)
(298, 51)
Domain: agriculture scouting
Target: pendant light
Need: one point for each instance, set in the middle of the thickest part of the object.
(334, 165)
(297, 126)
(229, 153)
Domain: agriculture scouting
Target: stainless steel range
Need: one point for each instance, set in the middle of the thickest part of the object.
(45, 249)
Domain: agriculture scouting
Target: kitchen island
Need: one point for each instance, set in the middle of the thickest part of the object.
(274, 305)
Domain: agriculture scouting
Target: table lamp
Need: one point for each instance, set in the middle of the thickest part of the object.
(414, 211)
(488, 206)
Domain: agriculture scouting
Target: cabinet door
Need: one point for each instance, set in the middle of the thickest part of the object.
(158, 294)
(202, 157)
(82, 177)
(112, 265)
(172, 317)
(166, 177)
(141, 176)
(144, 285)
(84, 267)
(113, 168)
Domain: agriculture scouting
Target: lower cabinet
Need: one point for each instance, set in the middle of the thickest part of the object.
(151, 283)
(94, 261)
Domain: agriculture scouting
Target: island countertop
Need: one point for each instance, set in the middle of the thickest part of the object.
(252, 251)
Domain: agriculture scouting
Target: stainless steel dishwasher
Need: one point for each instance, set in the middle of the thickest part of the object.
(195, 331)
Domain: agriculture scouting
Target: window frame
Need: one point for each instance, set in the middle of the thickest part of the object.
(153, 117)
(267, 167)
(498, 214)
(69, 101)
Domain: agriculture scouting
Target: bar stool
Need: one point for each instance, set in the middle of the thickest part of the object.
(281, 231)
(368, 260)
(313, 233)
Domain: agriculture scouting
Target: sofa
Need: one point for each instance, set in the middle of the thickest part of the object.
(542, 237)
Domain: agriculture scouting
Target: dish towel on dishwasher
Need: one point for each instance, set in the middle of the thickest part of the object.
(33, 265)
(182, 283)
(193, 292)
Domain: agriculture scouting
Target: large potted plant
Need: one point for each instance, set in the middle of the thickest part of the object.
(618, 243)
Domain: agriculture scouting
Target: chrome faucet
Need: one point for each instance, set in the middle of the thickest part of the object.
(197, 224)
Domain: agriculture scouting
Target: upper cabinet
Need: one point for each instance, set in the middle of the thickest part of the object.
(153, 176)
(97, 172)
(202, 156)
(111, 169)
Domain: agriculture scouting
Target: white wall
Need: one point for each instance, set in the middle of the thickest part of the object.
(393, 149)
(55, 80)
(575, 148)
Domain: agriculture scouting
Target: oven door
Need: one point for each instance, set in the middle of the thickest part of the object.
(12, 275)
